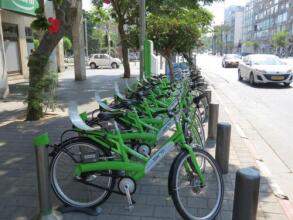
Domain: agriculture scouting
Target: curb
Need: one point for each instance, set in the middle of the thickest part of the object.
(283, 200)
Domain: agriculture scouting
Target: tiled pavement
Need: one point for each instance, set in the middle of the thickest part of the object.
(18, 192)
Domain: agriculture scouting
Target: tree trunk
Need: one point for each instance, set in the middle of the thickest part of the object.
(189, 60)
(124, 50)
(168, 57)
(37, 64)
(38, 60)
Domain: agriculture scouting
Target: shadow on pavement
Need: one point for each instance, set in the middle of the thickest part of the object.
(18, 181)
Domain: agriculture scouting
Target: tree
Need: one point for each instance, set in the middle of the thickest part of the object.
(177, 31)
(96, 18)
(280, 39)
(125, 13)
(38, 60)
(218, 32)
(254, 44)
(67, 44)
(207, 42)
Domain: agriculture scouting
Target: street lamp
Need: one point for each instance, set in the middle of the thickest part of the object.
(86, 38)
(142, 36)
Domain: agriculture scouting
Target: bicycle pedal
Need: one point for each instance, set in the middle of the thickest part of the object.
(129, 199)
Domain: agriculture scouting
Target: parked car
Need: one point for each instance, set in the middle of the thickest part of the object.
(231, 60)
(133, 56)
(103, 60)
(264, 68)
(69, 59)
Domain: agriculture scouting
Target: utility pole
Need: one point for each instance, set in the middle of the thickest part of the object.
(108, 38)
(221, 46)
(142, 36)
(78, 44)
(86, 38)
(226, 42)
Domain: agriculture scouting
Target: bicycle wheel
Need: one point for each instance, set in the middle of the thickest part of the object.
(202, 107)
(80, 191)
(192, 135)
(193, 201)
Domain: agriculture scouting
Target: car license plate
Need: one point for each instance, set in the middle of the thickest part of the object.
(278, 78)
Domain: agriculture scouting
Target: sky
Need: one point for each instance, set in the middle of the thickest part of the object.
(86, 4)
(217, 8)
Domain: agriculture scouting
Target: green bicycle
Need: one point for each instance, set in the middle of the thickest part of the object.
(84, 171)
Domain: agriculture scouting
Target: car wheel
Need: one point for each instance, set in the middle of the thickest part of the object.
(287, 84)
(251, 79)
(224, 65)
(114, 65)
(93, 66)
(239, 75)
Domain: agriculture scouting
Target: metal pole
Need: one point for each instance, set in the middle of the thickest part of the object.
(226, 43)
(223, 146)
(42, 160)
(142, 36)
(86, 38)
(209, 95)
(108, 39)
(246, 194)
(213, 120)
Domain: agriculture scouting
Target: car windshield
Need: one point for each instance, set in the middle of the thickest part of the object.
(232, 56)
(266, 60)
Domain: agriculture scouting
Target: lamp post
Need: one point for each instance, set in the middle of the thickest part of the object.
(108, 38)
(142, 36)
(86, 38)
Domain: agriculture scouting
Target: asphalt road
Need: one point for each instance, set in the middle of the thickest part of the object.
(266, 117)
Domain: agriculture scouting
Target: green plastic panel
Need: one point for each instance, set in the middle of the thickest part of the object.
(148, 50)
(41, 140)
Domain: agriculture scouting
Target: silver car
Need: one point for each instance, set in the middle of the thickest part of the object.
(264, 68)
(231, 60)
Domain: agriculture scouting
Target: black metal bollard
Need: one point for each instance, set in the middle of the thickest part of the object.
(223, 146)
(246, 194)
(213, 120)
(46, 211)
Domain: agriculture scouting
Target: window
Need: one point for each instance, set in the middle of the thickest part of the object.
(10, 31)
(104, 56)
(97, 56)
(29, 34)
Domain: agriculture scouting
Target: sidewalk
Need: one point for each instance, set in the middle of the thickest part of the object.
(18, 183)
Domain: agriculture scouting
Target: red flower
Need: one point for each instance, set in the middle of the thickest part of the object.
(107, 2)
(55, 25)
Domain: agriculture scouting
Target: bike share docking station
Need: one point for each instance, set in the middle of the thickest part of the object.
(46, 212)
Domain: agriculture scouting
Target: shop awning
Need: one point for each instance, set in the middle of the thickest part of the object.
(20, 6)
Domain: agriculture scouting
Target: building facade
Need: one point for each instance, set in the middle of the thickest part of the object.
(262, 20)
(233, 20)
(17, 16)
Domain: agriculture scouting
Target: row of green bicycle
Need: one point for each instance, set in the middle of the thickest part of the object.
(120, 143)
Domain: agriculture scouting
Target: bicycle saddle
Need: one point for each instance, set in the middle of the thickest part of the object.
(117, 92)
(76, 119)
(102, 105)
(105, 116)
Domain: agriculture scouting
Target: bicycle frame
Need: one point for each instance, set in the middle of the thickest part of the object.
(137, 170)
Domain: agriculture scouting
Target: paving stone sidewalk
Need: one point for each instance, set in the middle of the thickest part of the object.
(18, 184)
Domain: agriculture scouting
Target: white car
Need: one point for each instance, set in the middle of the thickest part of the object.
(231, 60)
(264, 68)
(103, 60)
